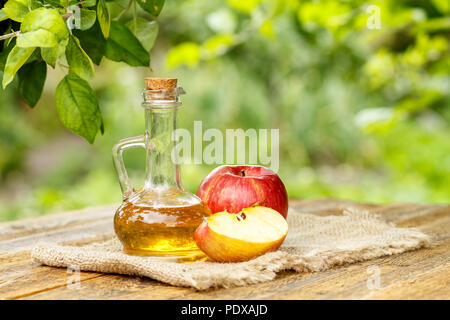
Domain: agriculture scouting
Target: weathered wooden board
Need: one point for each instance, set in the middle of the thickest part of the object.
(420, 274)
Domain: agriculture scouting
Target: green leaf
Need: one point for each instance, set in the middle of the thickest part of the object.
(53, 3)
(34, 4)
(88, 18)
(104, 18)
(16, 9)
(3, 15)
(50, 55)
(89, 3)
(93, 42)
(38, 38)
(50, 20)
(79, 62)
(124, 46)
(4, 55)
(77, 107)
(47, 19)
(153, 7)
(82, 18)
(146, 31)
(16, 58)
(31, 81)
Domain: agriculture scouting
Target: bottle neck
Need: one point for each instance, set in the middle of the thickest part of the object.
(161, 170)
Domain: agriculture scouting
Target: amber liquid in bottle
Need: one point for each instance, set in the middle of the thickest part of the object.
(148, 230)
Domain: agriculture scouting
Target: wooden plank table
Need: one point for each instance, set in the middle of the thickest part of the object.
(420, 274)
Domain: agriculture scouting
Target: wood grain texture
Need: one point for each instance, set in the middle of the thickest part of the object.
(420, 274)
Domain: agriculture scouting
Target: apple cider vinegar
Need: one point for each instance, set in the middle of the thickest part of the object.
(161, 217)
(147, 230)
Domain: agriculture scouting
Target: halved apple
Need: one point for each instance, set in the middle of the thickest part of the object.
(235, 237)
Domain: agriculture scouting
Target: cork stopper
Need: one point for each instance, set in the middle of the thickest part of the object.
(160, 83)
(162, 91)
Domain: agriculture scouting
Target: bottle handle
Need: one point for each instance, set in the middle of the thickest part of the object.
(117, 150)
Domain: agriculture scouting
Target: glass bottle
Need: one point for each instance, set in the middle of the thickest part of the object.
(161, 217)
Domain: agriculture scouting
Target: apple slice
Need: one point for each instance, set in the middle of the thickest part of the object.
(235, 237)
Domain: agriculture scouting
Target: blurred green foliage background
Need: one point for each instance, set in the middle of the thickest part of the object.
(359, 91)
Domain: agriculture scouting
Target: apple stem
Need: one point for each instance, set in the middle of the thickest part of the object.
(243, 173)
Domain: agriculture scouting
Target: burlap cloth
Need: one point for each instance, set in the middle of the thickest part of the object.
(314, 243)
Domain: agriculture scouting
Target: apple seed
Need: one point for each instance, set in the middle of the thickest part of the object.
(241, 216)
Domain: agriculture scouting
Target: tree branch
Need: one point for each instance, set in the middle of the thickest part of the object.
(9, 35)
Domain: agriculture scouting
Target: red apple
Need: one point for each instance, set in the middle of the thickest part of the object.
(233, 188)
(235, 237)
